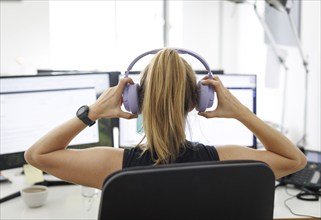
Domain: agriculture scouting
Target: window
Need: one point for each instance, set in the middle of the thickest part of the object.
(103, 35)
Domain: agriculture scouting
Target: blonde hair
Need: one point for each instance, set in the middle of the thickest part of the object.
(168, 93)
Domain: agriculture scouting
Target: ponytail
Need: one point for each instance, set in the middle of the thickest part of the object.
(169, 92)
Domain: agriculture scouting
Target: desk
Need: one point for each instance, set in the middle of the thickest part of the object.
(63, 202)
(66, 202)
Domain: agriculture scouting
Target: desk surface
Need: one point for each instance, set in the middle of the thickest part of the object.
(66, 202)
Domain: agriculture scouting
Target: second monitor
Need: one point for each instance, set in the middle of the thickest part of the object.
(33, 105)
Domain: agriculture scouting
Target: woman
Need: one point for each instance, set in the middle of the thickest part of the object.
(168, 93)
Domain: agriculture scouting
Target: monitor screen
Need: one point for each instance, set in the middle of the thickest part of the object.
(33, 105)
(215, 131)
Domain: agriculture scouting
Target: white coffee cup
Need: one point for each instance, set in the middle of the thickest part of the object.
(34, 196)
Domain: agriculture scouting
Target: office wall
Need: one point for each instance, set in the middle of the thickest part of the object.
(24, 36)
(242, 50)
(251, 56)
(194, 25)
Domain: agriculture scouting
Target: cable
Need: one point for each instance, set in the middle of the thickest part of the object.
(297, 214)
(305, 194)
(308, 196)
(9, 197)
(289, 208)
(279, 184)
(287, 192)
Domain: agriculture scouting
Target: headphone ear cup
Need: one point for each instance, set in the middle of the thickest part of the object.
(205, 97)
(130, 98)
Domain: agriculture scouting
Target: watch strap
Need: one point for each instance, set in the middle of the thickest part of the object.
(87, 121)
(83, 116)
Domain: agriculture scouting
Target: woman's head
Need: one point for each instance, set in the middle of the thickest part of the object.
(168, 93)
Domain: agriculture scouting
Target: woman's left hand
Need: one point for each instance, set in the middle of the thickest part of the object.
(228, 105)
(108, 105)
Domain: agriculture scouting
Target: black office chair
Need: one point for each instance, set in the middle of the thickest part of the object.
(206, 190)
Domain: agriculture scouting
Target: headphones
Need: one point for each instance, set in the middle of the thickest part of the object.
(205, 92)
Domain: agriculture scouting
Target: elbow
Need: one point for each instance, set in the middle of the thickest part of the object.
(36, 158)
(32, 157)
(294, 165)
(29, 157)
(301, 162)
(291, 166)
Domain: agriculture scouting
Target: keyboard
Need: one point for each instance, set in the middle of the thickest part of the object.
(309, 177)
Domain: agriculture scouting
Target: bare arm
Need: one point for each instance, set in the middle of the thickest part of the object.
(280, 153)
(86, 167)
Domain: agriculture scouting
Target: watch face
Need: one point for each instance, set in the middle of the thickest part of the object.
(82, 110)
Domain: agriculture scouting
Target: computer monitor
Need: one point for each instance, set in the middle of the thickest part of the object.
(215, 131)
(225, 131)
(33, 105)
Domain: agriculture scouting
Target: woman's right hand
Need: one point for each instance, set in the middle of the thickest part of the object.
(108, 105)
(228, 106)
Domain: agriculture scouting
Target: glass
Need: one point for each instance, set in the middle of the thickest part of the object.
(89, 194)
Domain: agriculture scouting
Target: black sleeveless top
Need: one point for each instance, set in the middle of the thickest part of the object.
(194, 152)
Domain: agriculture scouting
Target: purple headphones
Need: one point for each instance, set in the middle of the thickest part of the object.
(205, 96)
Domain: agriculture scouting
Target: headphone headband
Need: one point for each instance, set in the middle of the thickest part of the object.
(205, 92)
(180, 51)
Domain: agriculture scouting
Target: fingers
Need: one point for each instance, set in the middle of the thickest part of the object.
(215, 81)
(208, 114)
(204, 114)
(122, 83)
(126, 80)
(217, 84)
(126, 115)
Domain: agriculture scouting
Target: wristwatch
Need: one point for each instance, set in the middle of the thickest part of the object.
(82, 114)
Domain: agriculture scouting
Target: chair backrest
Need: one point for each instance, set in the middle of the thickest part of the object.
(206, 190)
